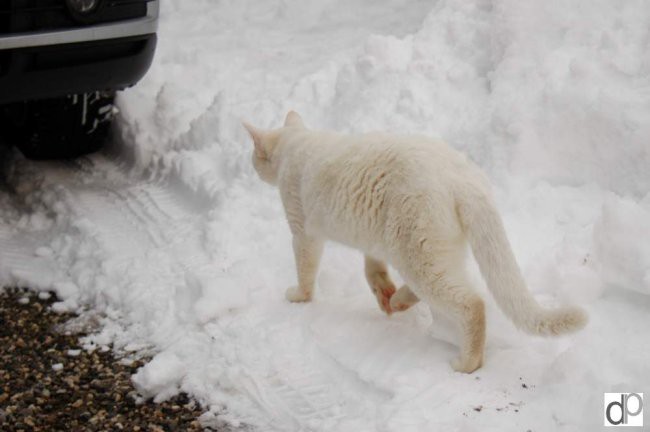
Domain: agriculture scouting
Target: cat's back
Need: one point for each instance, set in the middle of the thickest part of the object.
(326, 146)
(351, 187)
(404, 164)
(405, 158)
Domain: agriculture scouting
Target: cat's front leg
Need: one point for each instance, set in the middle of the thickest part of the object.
(307, 251)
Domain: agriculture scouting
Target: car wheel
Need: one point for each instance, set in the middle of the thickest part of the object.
(59, 128)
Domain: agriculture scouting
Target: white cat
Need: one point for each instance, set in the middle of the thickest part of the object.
(412, 202)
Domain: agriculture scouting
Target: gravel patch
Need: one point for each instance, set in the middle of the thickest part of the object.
(48, 383)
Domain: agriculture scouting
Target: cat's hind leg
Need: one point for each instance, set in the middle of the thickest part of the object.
(307, 251)
(380, 283)
(449, 292)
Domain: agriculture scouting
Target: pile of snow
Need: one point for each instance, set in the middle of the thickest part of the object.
(176, 249)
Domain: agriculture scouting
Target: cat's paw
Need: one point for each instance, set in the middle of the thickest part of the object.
(295, 295)
(403, 299)
(466, 365)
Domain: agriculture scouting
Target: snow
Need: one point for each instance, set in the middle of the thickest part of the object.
(172, 245)
(73, 352)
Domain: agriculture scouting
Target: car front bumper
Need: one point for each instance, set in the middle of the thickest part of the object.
(133, 27)
(96, 58)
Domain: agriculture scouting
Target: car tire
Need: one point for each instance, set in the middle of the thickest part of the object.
(61, 128)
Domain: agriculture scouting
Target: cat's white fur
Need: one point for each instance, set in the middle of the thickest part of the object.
(413, 202)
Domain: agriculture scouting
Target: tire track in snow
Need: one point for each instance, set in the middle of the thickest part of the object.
(134, 218)
(291, 392)
(307, 395)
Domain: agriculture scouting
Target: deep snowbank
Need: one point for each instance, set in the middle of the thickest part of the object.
(545, 91)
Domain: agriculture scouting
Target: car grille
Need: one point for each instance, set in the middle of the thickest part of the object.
(24, 16)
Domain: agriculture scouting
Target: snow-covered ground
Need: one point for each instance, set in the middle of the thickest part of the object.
(170, 242)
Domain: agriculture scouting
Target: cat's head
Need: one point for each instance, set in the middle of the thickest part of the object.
(265, 142)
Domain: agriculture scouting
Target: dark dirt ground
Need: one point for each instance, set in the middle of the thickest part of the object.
(92, 391)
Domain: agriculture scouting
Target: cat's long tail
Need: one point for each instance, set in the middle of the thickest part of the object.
(484, 229)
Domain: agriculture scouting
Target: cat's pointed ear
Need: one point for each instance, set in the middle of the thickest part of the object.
(256, 135)
(293, 119)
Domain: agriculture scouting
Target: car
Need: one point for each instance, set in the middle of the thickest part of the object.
(61, 64)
